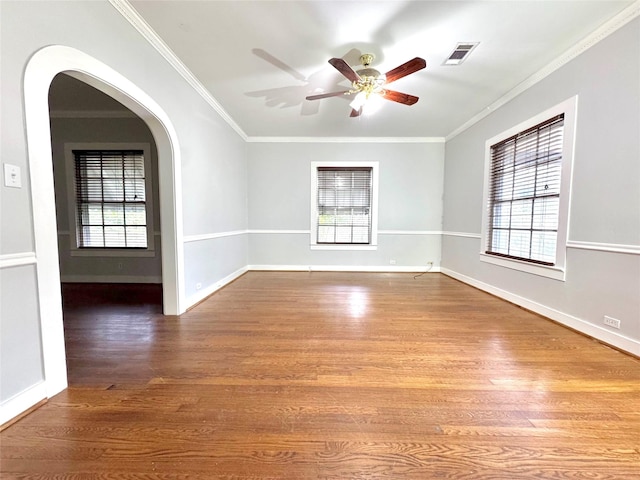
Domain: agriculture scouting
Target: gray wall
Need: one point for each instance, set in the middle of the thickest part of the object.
(605, 203)
(410, 204)
(229, 186)
(147, 269)
(214, 197)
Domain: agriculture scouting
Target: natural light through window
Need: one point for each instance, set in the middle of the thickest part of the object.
(343, 211)
(527, 190)
(110, 199)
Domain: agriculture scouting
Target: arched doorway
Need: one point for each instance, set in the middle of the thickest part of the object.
(41, 69)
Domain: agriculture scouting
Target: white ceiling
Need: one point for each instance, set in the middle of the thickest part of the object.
(259, 59)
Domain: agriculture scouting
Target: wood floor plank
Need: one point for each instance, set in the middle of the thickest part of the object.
(329, 376)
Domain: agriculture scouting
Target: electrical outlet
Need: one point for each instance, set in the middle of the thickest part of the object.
(392, 262)
(611, 322)
(198, 286)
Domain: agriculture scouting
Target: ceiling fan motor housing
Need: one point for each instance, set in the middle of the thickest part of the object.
(371, 80)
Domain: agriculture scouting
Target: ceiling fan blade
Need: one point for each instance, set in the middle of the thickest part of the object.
(405, 69)
(327, 95)
(356, 113)
(344, 68)
(400, 97)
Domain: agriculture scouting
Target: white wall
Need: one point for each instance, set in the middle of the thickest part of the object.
(603, 255)
(409, 216)
(211, 196)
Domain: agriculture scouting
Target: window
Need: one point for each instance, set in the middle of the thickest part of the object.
(343, 205)
(110, 187)
(526, 193)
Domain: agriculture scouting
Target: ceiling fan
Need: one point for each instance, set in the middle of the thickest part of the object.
(369, 81)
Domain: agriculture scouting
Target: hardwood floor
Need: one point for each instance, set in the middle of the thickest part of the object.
(331, 376)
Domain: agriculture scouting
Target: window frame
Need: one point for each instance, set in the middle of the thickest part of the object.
(70, 167)
(373, 240)
(557, 271)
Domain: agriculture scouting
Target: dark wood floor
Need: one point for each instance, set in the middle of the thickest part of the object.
(330, 376)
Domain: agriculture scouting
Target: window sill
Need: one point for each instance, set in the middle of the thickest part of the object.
(555, 272)
(343, 247)
(113, 252)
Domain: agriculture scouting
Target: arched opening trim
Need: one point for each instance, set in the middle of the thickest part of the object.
(43, 66)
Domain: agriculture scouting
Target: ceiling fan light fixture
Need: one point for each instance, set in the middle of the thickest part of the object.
(372, 105)
(358, 101)
(369, 85)
(366, 104)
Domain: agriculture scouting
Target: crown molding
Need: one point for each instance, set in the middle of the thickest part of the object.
(606, 29)
(345, 139)
(134, 18)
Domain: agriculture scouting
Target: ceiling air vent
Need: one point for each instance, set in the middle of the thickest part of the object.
(460, 53)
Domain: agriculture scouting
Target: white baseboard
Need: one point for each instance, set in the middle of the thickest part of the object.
(344, 268)
(110, 279)
(615, 339)
(23, 401)
(200, 295)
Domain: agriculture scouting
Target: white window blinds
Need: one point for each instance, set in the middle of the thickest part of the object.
(344, 205)
(110, 199)
(524, 182)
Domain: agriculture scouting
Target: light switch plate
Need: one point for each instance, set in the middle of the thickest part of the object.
(12, 177)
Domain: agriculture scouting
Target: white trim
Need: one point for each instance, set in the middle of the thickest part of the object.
(380, 232)
(600, 247)
(463, 234)
(21, 402)
(343, 247)
(200, 295)
(548, 271)
(134, 18)
(92, 114)
(9, 260)
(72, 206)
(346, 139)
(569, 108)
(279, 268)
(345, 268)
(48, 62)
(409, 232)
(609, 27)
(615, 23)
(212, 236)
(605, 247)
(612, 338)
(282, 232)
(110, 279)
(42, 67)
(111, 253)
(375, 186)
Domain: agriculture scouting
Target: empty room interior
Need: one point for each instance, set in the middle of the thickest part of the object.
(320, 239)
